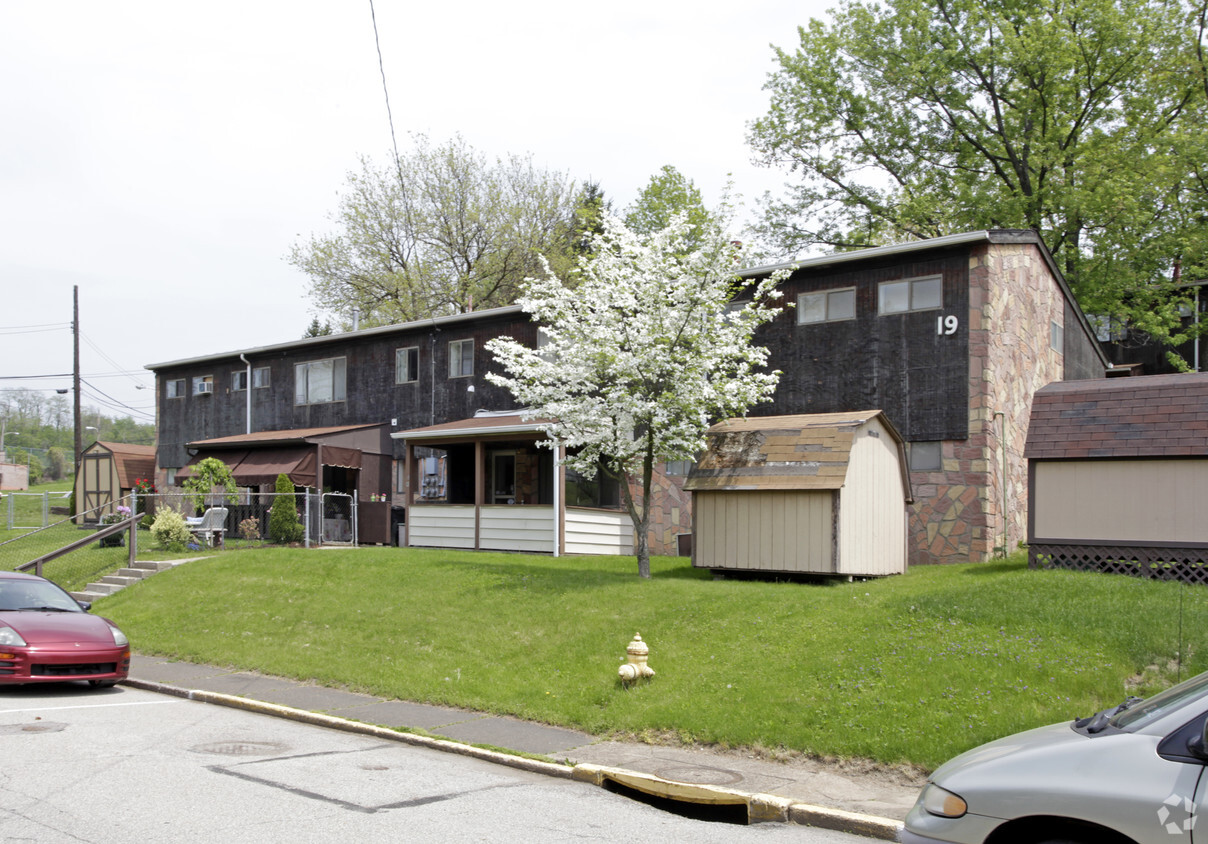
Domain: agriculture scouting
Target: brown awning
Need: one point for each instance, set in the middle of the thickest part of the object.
(262, 466)
(348, 458)
(230, 458)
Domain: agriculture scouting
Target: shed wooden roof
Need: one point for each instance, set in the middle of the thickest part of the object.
(799, 452)
(131, 461)
(1150, 416)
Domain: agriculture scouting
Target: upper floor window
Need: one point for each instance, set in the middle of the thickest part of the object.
(203, 385)
(461, 358)
(175, 388)
(320, 381)
(680, 468)
(238, 380)
(406, 365)
(261, 376)
(826, 306)
(912, 294)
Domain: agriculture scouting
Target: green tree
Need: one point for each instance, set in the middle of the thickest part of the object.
(206, 476)
(644, 352)
(283, 524)
(444, 231)
(667, 194)
(1079, 119)
(56, 463)
(317, 329)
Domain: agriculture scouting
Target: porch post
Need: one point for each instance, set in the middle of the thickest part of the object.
(557, 483)
(479, 484)
(408, 489)
(560, 505)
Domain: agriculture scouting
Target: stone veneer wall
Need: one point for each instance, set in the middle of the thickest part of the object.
(958, 515)
(672, 511)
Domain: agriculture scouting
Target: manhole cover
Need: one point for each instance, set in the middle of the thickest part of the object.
(40, 727)
(240, 748)
(698, 775)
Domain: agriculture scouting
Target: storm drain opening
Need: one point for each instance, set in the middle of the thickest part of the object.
(731, 813)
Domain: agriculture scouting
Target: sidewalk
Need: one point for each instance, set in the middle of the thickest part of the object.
(842, 796)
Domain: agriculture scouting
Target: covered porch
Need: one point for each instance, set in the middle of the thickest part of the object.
(484, 484)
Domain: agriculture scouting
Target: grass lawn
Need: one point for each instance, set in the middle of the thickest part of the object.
(911, 669)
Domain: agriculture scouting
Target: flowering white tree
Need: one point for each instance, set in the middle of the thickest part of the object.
(648, 346)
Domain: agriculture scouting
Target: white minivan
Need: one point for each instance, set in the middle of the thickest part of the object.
(1133, 773)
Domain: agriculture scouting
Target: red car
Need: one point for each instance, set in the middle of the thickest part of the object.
(46, 636)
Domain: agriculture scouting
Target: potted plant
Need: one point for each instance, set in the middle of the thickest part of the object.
(117, 539)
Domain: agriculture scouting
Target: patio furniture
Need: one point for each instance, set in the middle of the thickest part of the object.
(210, 527)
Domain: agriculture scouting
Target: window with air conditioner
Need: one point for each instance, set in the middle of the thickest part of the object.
(203, 385)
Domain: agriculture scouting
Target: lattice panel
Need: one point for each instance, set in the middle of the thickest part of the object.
(1189, 565)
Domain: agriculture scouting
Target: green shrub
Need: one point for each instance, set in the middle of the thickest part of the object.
(170, 531)
(283, 524)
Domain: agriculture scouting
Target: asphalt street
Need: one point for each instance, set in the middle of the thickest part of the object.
(126, 765)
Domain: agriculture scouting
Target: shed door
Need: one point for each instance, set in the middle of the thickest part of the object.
(98, 484)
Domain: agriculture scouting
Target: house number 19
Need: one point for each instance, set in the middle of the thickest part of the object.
(946, 324)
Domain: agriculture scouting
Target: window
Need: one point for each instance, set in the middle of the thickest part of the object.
(203, 385)
(261, 376)
(239, 381)
(543, 341)
(926, 457)
(680, 468)
(600, 491)
(406, 365)
(1056, 336)
(170, 474)
(912, 294)
(319, 381)
(461, 358)
(176, 388)
(826, 306)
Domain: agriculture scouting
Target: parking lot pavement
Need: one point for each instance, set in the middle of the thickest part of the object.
(883, 796)
(127, 765)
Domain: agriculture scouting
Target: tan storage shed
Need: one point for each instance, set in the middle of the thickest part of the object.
(817, 494)
(107, 472)
(1118, 476)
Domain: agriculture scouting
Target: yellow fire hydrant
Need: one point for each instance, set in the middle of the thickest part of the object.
(636, 669)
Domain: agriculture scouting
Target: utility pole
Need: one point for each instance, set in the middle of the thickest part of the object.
(75, 373)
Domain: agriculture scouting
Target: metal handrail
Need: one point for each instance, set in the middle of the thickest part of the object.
(130, 524)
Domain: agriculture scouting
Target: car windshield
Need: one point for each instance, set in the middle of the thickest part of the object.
(16, 595)
(1151, 709)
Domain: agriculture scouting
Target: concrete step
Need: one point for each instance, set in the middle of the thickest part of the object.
(104, 588)
(137, 574)
(151, 567)
(119, 580)
(87, 595)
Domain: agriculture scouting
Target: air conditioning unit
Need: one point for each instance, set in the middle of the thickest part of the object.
(205, 387)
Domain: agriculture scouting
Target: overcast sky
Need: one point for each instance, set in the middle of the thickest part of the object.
(165, 156)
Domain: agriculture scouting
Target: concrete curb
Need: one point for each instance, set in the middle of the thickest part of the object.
(760, 807)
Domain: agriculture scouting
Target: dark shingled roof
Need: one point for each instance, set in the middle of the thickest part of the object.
(1151, 416)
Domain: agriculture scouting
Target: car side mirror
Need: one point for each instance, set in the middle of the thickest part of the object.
(1198, 746)
(85, 605)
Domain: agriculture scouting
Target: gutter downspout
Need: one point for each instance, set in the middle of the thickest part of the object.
(557, 499)
(248, 384)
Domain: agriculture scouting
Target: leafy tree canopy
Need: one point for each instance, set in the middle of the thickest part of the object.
(1079, 119)
(667, 194)
(444, 231)
(648, 343)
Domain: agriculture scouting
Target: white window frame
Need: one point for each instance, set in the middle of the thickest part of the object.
(239, 381)
(458, 360)
(1056, 336)
(406, 374)
(303, 381)
(175, 388)
(827, 306)
(203, 385)
(262, 377)
(912, 284)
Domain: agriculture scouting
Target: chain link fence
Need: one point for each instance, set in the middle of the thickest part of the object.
(22, 510)
(247, 523)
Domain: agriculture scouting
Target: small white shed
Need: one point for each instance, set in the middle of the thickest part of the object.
(817, 494)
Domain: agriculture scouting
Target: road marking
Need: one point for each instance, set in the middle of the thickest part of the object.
(92, 706)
